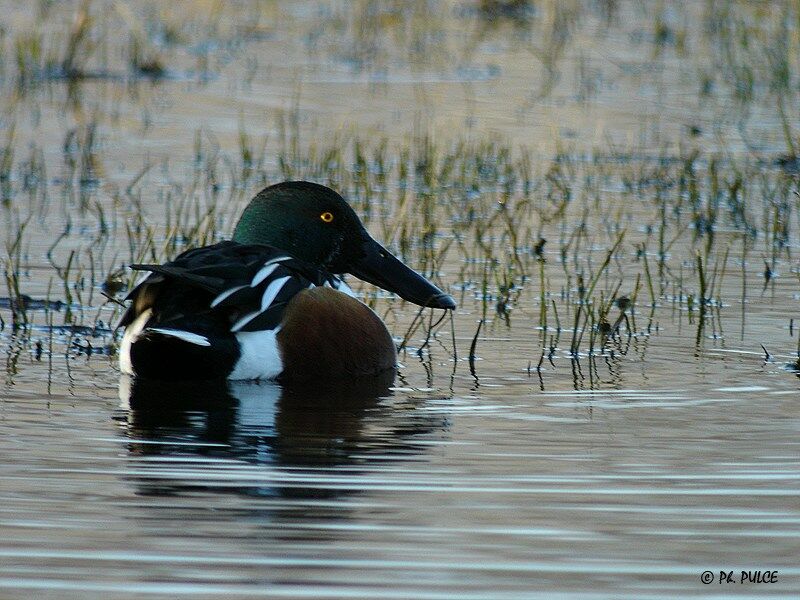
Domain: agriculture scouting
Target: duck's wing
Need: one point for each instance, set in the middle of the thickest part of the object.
(224, 288)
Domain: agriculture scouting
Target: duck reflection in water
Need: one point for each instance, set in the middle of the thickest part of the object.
(205, 435)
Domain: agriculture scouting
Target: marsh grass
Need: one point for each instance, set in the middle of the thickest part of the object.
(110, 40)
(469, 216)
(12, 272)
(6, 164)
(588, 252)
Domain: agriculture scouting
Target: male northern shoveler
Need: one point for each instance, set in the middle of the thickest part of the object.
(269, 304)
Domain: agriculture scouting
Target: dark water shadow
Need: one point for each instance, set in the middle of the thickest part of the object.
(234, 428)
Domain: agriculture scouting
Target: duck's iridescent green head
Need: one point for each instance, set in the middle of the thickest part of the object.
(315, 224)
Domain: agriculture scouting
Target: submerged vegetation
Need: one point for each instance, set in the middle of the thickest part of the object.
(587, 254)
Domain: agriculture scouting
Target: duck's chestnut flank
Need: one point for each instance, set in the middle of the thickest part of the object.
(326, 333)
(271, 304)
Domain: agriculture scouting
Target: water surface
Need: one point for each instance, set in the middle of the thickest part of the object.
(621, 471)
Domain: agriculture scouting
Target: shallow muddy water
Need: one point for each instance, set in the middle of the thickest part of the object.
(544, 453)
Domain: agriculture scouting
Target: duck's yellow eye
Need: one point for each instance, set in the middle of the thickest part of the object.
(326, 217)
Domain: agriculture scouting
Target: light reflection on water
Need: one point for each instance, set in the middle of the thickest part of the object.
(373, 492)
(264, 440)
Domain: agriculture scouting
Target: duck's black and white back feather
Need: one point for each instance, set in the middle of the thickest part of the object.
(201, 302)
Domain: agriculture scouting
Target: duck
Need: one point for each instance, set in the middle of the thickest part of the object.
(271, 303)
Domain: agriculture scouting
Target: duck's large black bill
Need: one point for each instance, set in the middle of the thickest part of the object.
(381, 268)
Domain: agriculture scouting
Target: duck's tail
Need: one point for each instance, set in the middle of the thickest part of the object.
(168, 353)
